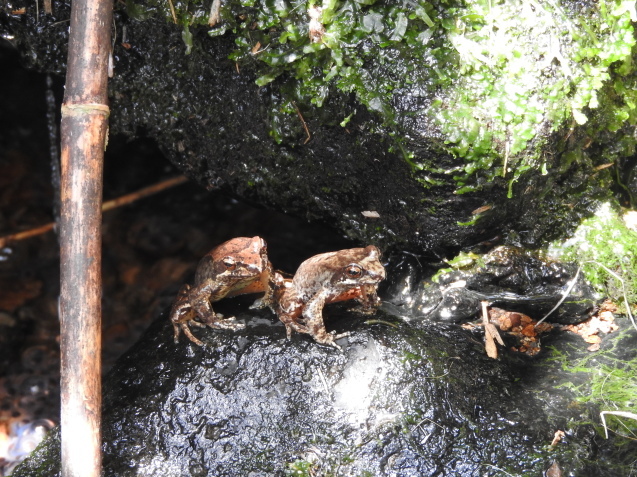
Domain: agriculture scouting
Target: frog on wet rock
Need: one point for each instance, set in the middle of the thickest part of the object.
(236, 267)
(352, 274)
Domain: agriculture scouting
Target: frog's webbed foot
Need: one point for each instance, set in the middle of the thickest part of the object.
(181, 323)
(260, 303)
(342, 335)
(292, 325)
(368, 303)
(295, 326)
(186, 329)
(210, 318)
(181, 313)
(329, 339)
(216, 320)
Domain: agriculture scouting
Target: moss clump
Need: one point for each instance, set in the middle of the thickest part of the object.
(526, 68)
(315, 49)
(502, 73)
(605, 380)
(490, 78)
(462, 261)
(300, 468)
(604, 239)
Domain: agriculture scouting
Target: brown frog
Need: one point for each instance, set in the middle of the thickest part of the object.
(235, 267)
(352, 274)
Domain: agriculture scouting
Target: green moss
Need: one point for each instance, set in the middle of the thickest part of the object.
(462, 261)
(502, 76)
(409, 356)
(604, 239)
(525, 69)
(605, 382)
(496, 76)
(300, 468)
(355, 32)
(473, 221)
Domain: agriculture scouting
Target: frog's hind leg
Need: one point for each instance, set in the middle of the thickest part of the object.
(291, 323)
(199, 300)
(217, 320)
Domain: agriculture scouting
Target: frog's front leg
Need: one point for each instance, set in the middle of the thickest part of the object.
(182, 314)
(186, 329)
(268, 282)
(313, 315)
(368, 300)
(200, 298)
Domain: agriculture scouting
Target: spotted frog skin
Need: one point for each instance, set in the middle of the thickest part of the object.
(236, 267)
(352, 274)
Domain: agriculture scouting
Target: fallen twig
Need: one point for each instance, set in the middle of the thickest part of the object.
(111, 204)
(307, 131)
(4, 241)
(145, 192)
(380, 322)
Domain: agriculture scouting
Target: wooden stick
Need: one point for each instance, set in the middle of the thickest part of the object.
(84, 128)
(108, 205)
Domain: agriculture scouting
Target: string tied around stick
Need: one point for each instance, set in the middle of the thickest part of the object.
(75, 109)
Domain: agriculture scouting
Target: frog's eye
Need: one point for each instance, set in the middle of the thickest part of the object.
(353, 271)
(229, 263)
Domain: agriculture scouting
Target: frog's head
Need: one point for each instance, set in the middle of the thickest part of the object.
(241, 257)
(359, 266)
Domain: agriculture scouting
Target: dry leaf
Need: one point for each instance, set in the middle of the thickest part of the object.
(490, 347)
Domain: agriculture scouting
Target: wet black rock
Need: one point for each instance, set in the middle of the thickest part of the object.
(398, 400)
(506, 277)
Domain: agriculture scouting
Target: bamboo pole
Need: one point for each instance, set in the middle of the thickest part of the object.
(84, 128)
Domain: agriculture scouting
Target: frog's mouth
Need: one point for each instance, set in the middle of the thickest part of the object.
(246, 274)
(249, 270)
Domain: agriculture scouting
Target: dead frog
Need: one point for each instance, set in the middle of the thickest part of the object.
(236, 267)
(352, 274)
